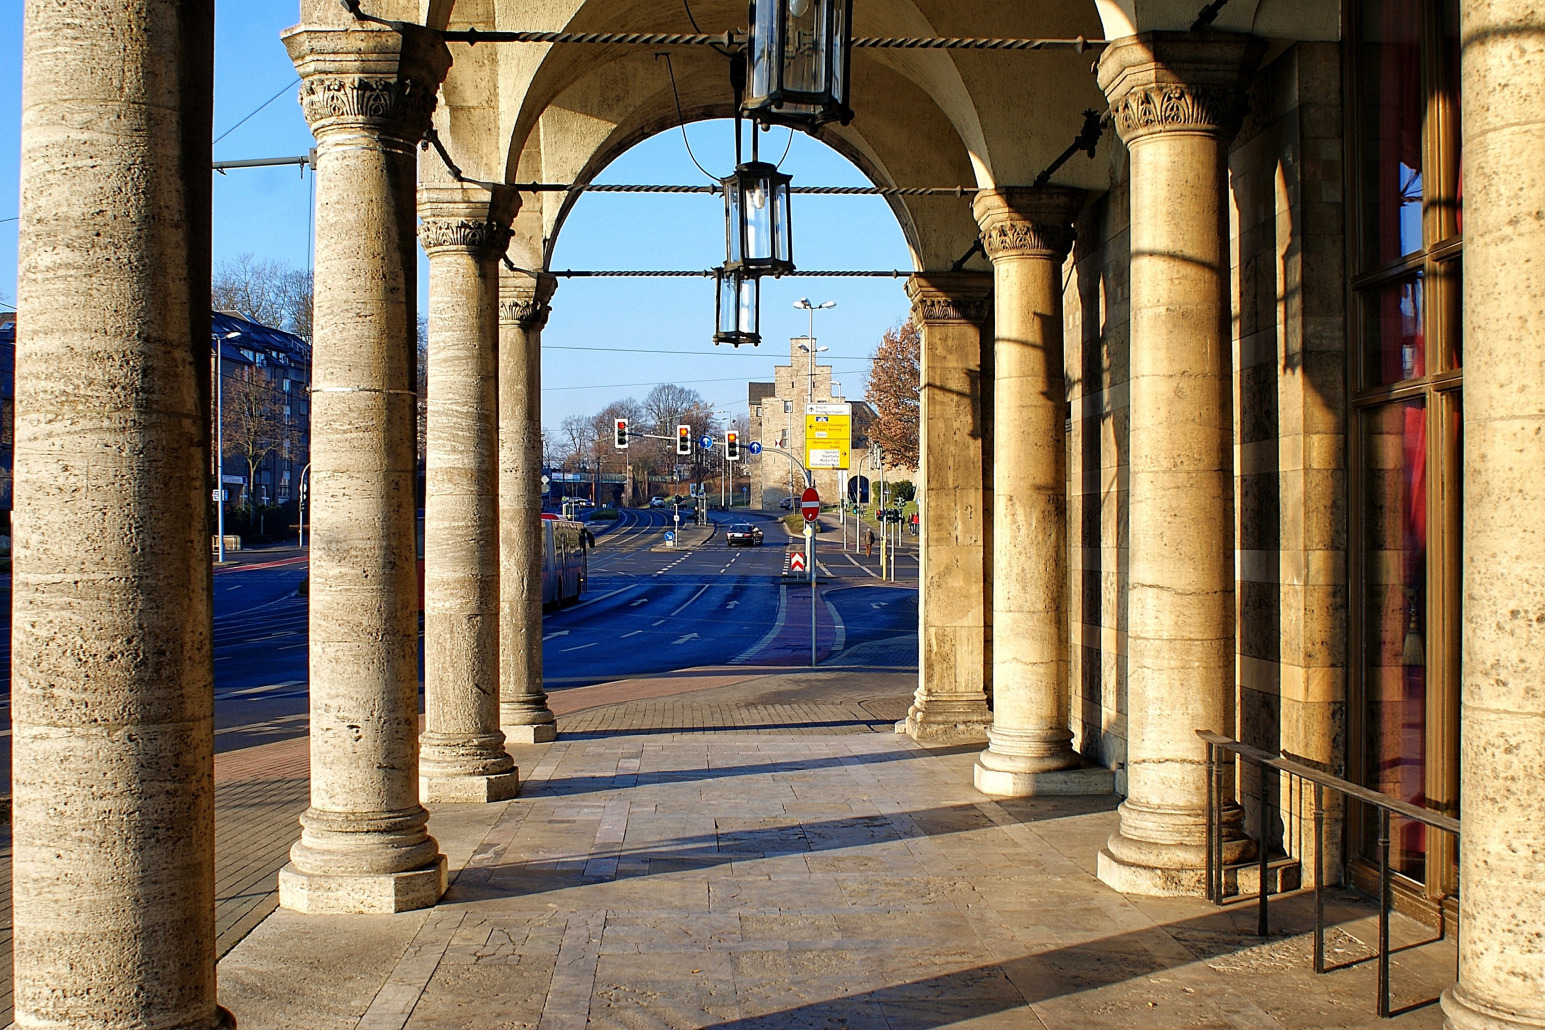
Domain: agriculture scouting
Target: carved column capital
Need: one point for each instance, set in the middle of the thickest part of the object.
(1028, 221)
(1178, 82)
(960, 298)
(378, 83)
(465, 218)
(524, 300)
(482, 239)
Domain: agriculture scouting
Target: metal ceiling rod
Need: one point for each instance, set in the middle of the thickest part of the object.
(824, 191)
(735, 38)
(618, 273)
(305, 161)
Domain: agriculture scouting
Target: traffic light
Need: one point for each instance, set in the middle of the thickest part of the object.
(622, 434)
(684, 440)
(731, 445)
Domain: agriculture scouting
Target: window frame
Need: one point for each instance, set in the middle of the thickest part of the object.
(1439, 261)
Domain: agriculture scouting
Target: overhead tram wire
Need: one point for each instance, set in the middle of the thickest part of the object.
(254, 111)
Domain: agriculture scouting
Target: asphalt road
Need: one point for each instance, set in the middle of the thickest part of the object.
(648, 611)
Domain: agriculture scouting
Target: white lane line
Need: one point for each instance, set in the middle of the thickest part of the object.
(660, 623)
(841, 640)
(581, 647)
(633, 634)
(701, 591)
(771, 635)
(595, 600)
(857, 565)
(258, 690)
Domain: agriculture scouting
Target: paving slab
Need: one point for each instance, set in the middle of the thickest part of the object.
(703, 867)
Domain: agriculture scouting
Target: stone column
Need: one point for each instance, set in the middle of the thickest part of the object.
(950, 707)
(462, 758)
(114, 881)
(523, 308)
(1027, 233)
(368, 96)
(1177, 99)
(1502, 728)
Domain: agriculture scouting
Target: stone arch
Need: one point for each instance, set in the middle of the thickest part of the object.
(938, 118)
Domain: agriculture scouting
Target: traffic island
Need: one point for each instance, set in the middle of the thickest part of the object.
(688, 536)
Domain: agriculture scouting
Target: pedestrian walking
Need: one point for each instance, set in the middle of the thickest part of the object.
(869, 543)
(914, 523)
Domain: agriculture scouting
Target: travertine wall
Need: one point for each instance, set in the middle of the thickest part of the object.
(1095, 354)
(1288, 254)
(1286, 229)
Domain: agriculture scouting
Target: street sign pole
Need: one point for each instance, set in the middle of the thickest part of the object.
(810, 558)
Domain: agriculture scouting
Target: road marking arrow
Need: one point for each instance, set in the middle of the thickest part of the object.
(879, 604)
(731, 604)
(560, 633)
(641, 600)
(683, 640)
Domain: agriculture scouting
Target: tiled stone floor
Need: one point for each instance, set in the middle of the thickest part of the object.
(747, 879)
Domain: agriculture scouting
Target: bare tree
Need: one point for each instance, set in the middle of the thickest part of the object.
(578, 437)
(268, 292)
(254, 422)
(893, 390)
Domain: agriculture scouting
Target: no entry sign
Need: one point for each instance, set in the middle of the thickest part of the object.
(810, 504)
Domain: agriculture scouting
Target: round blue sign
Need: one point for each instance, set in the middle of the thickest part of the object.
(706, 443)
(755, 448)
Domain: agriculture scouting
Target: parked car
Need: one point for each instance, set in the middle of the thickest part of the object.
(786, 503)
(656, 502)
(743, 534)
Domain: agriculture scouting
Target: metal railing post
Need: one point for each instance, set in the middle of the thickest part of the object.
(1262, 927)
(1319, 879)
(1383, 913)
(1211, 789)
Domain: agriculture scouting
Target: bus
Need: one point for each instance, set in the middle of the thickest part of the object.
(566, 548)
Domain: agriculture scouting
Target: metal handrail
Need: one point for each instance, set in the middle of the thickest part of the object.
(1385, 805)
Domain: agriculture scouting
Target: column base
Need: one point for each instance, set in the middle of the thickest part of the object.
(541, 733)
(1460, 1012)
(942, 722)
(468, 790)
(368, 894)
(1010, 783)
(1161, 852)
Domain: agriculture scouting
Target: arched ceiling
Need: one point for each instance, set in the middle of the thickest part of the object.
(924, 118)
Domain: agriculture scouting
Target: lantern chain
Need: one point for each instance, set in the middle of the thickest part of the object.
(736, 39)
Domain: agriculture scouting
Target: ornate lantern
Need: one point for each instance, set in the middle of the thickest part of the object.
(739, 308)
(800, 54)
(757, 220)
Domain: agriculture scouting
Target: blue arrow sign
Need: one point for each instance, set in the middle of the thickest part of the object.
(755, 448)
(706, 443)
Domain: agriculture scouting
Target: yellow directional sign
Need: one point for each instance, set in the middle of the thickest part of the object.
(828, 435)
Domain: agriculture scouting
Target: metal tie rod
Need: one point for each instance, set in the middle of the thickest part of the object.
(822, 191)
(304, 160)
(735, 38)
(618, 273)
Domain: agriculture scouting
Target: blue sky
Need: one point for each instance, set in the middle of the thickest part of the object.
(655, 330)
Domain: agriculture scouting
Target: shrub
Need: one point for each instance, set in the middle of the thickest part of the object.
(603, 515)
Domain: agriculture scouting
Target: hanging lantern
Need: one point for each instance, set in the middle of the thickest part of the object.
(739, 308)
(800, 54)
(757, 220)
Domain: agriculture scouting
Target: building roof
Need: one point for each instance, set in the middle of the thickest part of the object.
(275, 346)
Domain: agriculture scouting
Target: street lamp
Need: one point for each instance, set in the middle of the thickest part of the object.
(220, 443)
(800, 53)
(758, 219)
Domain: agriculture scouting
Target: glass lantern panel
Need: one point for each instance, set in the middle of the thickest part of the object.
(764, 47)
(729, 303)
(806, 44)
(783, 249)
(750, 308)
(732, 221)
(839, 23)
(760, 206)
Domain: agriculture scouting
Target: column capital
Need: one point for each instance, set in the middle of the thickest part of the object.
(1178, 82)
(524, 300)
(1028, 221)
(951, 297)
(466, 218)
(380, 82)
